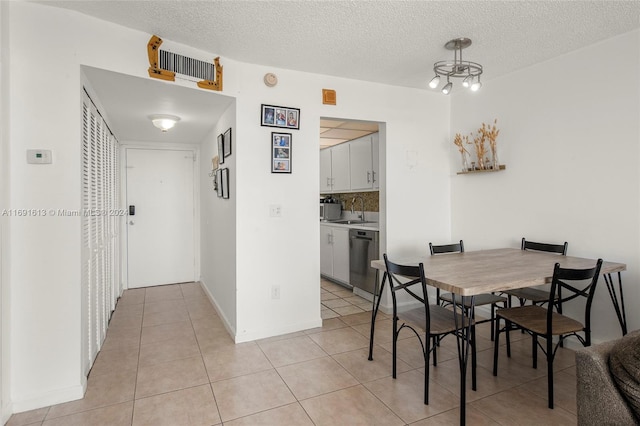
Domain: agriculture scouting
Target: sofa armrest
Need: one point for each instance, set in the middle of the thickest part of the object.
(598, 399)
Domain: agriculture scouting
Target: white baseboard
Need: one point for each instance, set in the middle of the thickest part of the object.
(225, 321)
(270, 332)
(52, 397)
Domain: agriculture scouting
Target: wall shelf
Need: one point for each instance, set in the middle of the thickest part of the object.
(502, 167)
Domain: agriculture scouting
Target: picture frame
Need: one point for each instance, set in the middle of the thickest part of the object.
(218, 184)
(225, 183)
(279, 116)
(281, 149)
(226, 140)
(221, 148)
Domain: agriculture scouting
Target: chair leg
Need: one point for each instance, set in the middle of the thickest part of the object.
(493, 318)
(435, 351)
(534, 350)
(550, 369)
(474, 362)
(427, 353)
(395, 346)
(496, 346)
(507, 327)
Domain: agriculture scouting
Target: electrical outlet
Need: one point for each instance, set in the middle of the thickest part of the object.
(275, 292)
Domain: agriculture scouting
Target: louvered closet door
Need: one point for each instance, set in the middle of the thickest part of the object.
(100, 230)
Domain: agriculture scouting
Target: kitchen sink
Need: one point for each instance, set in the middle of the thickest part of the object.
(352, 222)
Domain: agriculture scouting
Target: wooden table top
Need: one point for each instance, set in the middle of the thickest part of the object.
(484, 271)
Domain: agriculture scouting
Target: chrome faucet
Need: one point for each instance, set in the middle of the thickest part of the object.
(361, 206)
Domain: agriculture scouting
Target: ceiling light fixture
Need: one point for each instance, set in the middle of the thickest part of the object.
(469, 71)
(164, 122)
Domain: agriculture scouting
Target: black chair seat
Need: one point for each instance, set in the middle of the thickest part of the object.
(534, 318)
(441, 322)
(533, 294)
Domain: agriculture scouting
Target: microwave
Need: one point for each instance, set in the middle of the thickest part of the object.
(330, 211)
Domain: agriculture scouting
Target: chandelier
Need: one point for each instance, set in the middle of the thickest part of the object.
(467, 70)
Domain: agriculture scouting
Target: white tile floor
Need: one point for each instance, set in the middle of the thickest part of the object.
(168, 360)
(338, 301)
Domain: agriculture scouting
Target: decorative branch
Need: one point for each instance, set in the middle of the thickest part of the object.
(478, 143)
(491, 134)
(458, 141)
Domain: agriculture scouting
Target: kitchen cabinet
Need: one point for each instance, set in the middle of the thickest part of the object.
(334, 169)
(334, 253)
(325, 170)
(375, 157)
(363, 163)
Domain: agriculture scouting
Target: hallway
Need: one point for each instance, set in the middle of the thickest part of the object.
(168, 360)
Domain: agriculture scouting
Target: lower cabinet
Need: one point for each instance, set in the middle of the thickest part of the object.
(334, 253)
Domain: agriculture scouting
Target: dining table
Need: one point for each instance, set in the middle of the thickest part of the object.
(496, 270)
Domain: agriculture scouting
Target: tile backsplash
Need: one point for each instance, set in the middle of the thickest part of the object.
(371, 200)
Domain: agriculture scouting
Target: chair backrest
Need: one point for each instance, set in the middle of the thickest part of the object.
(446, 248)
(403, 278)
(549, 248)
(568, 284)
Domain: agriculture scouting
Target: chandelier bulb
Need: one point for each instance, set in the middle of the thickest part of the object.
(467, 81)
(476, 86)
(434, 82)
(447, 88)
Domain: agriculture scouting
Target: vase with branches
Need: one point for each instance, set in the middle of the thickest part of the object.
(491, 133)
(481, 149)
(459, 141)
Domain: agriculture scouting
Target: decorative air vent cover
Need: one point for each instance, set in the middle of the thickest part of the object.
(164, 65)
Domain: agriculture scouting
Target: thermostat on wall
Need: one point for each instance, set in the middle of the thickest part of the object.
(38, 156)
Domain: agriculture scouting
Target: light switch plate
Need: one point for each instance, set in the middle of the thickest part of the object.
(38, 156)
(275, 210)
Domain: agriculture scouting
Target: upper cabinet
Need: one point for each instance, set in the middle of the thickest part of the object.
(340, 179)
(351, 166)
(364, 163)
(334, 169)
(375, 157)
(325, 170)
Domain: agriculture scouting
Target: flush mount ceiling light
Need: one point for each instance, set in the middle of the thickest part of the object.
(468, 71)
(164, 122)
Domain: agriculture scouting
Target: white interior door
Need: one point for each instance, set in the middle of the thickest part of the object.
(161, 232)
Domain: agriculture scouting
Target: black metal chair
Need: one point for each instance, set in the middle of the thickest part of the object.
(433, 320)
(534, 295)
(546, 322)
(446, 299)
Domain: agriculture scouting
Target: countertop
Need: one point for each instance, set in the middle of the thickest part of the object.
(371, 226)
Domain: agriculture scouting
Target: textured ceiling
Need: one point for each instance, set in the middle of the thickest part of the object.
(394, 42)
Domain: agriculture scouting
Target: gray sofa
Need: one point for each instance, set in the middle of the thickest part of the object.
(599, 399)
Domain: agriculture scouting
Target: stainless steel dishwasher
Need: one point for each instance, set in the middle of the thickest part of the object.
(363, 248)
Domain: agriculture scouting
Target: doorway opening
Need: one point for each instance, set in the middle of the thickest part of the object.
(350, 219)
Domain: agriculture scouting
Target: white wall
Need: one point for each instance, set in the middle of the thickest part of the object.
(569, 136)
(285, 251)
(282, 251)
(5, 410)
(45, 251)
(44, 340)
(218, 224)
